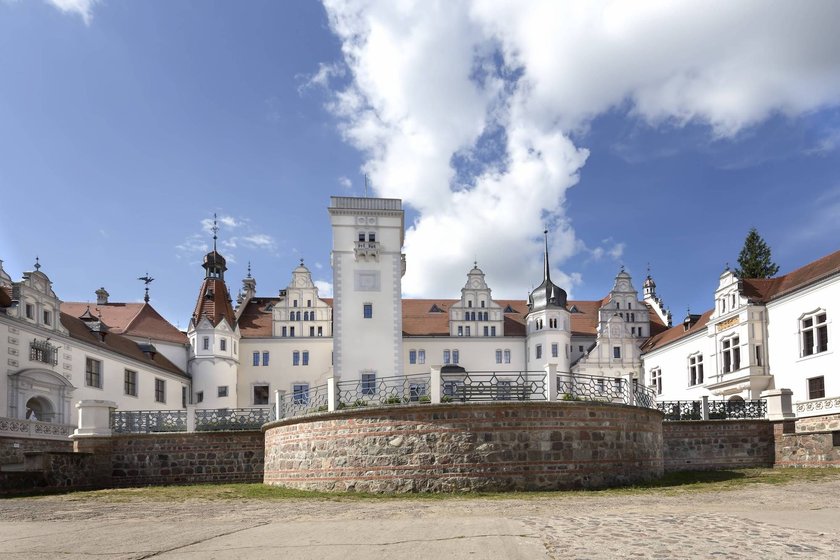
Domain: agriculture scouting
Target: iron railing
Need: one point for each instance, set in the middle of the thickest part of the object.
(482, 386)
(304, 401)
(148, 421)
(401, 389)
(573, 387)
(717, 410)
(224, 419)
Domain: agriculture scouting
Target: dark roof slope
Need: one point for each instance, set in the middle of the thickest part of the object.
(116, 343)
(675, 333)
(764, 290)
(214, 303)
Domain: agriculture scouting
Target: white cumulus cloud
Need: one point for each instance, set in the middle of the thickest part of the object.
(464, 109)
(83, 8)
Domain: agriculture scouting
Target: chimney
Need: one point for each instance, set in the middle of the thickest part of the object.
(102, 296)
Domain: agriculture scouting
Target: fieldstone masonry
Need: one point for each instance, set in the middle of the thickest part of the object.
(446, 448)
(717, 444)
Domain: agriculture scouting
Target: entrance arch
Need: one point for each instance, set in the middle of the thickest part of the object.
(41, 392)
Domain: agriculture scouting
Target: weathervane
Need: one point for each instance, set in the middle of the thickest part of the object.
(37, 263)
(146, 280)
(215, 230)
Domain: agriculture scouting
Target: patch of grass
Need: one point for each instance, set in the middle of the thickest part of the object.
(671, 484)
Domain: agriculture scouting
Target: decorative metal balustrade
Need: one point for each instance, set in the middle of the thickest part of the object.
(738, 409)
(601, 389)
(483, 386)
(681, 410)
(717, 410)
(225, 419)
(401, 389)
(304, 401)
(148, 421)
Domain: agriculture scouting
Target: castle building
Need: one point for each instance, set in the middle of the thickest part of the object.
(760, 335)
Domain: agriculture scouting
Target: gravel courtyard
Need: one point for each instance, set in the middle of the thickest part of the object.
(799, 519)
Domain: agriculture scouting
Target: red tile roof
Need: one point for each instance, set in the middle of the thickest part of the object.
(116, 343)
(214, 302)
(130, 319)
(764, 290)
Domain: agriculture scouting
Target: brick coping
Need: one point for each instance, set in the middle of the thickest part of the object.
(355, 412)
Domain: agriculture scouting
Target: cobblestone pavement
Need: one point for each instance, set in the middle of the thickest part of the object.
(800, 520)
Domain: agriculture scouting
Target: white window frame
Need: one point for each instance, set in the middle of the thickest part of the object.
(696, 374)
(812, 331)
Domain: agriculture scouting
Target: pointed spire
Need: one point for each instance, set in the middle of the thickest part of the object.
(547, 271)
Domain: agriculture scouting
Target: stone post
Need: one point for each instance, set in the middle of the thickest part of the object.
(191, 418)
(332, 394)
(94, 418)
(631, 390)
(704, 407)
(550, 382)
(435, 384)
(779, 404)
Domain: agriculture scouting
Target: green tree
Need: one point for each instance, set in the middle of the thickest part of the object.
(754, 260)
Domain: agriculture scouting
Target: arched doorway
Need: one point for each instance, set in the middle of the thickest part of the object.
(40, 408)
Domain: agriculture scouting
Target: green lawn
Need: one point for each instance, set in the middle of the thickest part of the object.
(671, 484)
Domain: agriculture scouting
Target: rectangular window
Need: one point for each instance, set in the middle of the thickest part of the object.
(555, 350)
(455, 356)
(30, 311)
(492, 331)
(695, 370)
(130, 383)
(759, 361)
(460, 331)
(656, 380)
(616, 351)
(199, 397)
(283, 332)
(368, 311)
(498, 356)
(320, 331)
(222, 391)
(300, 393)
(295, 358)
(507, 356)
(265, 358)
(816, 388)
(814, 333)
(223, 345)
(260, 394)
(412, 356)
(306, 357)
(47, 317)
(309, 303)
(580, 348)
(42, 351)
(291, 332)
(446, 356)
(311, 331)
(256, 358)
(538, 350)
(421, 356)
(731, 354)
(93, 373)
(160, 390)
(205, 343)
(467, 331)
(368, 383)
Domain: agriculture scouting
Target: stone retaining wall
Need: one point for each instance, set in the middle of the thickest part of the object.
(444, 448)
(717, 444)
(827, 423)
(177, 458)
(796, 448)
(12, 449)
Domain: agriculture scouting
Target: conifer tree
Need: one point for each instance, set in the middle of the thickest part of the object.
(754, 260)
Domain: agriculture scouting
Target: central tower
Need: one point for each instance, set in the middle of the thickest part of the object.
(368, 266)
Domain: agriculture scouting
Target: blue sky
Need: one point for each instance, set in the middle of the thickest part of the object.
(653, 136)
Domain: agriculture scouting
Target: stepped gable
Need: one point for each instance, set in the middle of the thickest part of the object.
(140, 320)
(116, 343)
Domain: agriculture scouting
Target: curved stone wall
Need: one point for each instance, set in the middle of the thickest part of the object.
(466, 447)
